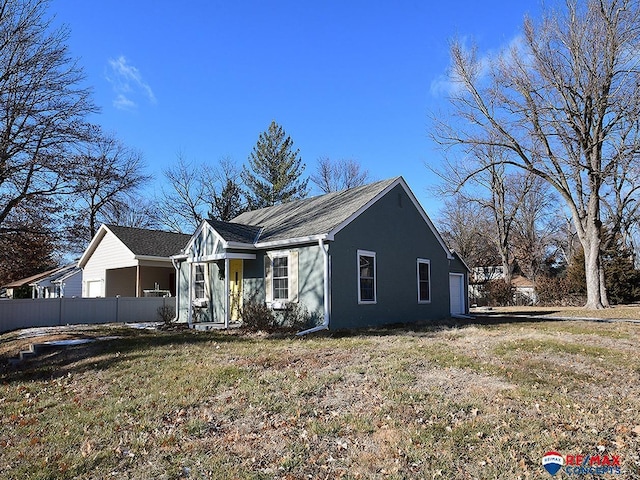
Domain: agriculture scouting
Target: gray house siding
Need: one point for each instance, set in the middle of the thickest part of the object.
(310, 284)
(253, 279)
(378, 230)
(310, 277)
(383, 217)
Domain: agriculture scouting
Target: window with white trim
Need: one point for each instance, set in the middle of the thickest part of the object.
(424, 280)
(366, 277)
(281, 278)
(198, 281)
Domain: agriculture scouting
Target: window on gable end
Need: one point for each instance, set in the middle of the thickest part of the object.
(424, 280)
(366, 277)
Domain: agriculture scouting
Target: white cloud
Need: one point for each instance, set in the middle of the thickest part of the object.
(449, 83)
(121, 102)
(128, 84)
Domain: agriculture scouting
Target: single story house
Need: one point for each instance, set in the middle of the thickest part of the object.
(130, 262)
(21, 288)
(65, 281)
(361, 257)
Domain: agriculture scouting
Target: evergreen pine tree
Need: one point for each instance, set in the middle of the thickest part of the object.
(274, 172)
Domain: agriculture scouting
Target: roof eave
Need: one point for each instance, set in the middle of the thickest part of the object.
(293, 241)
(153, 258)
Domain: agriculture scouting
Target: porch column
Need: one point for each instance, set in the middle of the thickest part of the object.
(138, 280)
(227, 292)
(189, 295)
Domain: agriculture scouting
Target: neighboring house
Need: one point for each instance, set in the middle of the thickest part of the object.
(20, 288)
(524, 289)
(364, 256)
(65, 281)
(130, 262)
(484, 274)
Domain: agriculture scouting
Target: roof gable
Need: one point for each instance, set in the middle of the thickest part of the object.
(309, 219)
(139, 241)
(235, 232)
(314, 217)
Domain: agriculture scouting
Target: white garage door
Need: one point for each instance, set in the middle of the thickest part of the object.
(456, 289)
(94, 288)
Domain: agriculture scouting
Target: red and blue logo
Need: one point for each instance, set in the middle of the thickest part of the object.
(597, 464)
(552, 462)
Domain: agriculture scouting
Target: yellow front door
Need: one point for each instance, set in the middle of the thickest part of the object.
(235, 288)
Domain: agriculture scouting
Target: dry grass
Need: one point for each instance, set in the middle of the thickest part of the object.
(465, 402)
(616, 312)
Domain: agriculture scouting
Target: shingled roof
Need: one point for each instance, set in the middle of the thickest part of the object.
(306, 220)
(300, 219)
(312, 216)
(235, 232)
(150, 243)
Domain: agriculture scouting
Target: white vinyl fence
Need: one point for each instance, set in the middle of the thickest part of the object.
(49, 312)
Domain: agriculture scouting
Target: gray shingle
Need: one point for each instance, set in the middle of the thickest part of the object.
(235, 232)
(153, 243)
(312, 216)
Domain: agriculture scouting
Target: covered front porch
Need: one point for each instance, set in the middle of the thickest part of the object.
(217, 289)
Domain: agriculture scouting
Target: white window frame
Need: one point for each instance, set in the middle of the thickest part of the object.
(423, 261)
(367, 253)
(196, 281)
(274, 278)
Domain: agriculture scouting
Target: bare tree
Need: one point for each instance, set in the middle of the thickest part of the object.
(333, 176)
(138, 212)
(564, 103)
(496, 191)
(536, 226)
(198, 190)
(223, 191)
(42, 108)
(466, 229)
(181, 203)
(112, 176)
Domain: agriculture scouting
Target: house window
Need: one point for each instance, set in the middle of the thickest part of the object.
(281, 278)
(198, 282)
(366, 277)
(424, 281)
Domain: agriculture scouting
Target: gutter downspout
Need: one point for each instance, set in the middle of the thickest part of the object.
(325, 323)
(175, 265)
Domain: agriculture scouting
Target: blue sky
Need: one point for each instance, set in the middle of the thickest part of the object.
(346, 79)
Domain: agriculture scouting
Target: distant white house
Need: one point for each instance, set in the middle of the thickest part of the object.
(525, 292)
(66, 281)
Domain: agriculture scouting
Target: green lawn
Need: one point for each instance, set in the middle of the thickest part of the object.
(470, 402)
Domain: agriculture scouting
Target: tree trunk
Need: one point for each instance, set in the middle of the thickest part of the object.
(591, 245)
(604, 297)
